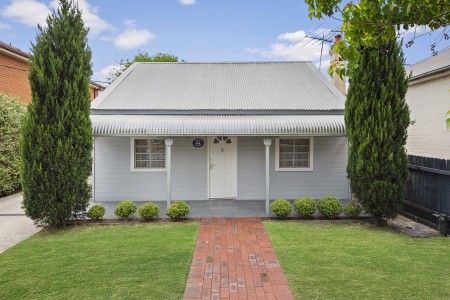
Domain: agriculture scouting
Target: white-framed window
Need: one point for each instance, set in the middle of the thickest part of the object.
(294, 154)
(148, 154)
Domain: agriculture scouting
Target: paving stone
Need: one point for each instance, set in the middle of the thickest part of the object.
(234, 259)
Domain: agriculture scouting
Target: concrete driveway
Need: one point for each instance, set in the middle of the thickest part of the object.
(14, 225)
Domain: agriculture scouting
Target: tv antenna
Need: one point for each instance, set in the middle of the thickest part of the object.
(322, 37)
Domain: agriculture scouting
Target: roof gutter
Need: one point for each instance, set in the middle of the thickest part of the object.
(216, 112)
(430, 73)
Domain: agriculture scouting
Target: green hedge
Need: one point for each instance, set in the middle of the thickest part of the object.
(11, 115)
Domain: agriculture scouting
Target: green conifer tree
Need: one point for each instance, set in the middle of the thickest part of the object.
(56, 139)
(377, 118)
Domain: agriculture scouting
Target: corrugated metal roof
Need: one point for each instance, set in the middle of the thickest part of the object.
(170, 125)
(236, 86)
(430, 65)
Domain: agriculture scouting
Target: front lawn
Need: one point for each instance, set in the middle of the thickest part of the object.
(355, 261)
(148, 261)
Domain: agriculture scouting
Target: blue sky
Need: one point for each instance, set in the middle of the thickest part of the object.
(193, 30)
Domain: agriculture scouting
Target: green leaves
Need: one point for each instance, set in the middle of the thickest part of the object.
(142, 57)
(369, 23)
(57, 138)
(12, 113)
(377, 118)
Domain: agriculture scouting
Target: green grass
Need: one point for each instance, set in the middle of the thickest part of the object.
(142, 261)
(356, 261)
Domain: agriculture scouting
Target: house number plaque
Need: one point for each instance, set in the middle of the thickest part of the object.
(198, 143)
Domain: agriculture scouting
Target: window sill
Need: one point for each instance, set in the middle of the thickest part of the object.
(148, 170)
(294, 169)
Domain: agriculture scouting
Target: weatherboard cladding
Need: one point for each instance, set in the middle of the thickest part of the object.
(249, 86)
(173, 125)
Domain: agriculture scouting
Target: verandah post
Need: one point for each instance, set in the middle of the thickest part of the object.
(267, 143)
(168, 143)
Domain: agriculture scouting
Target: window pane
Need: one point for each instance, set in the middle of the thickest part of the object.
(301, 148)
(294, 153)
(141, 142)
(158, 164)
(301, 163)
(286, 164)
(301, 156)
(286, 149)
(286, 156)
(142, 156)
(149, 153)
(286, 142)
(302, 142)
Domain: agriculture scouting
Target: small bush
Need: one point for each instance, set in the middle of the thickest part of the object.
(148, 211)
(281, 208)
(352, 209)
(329, 206)
(178, 210)
(96, 212)
(125, 209)
(305, 206)
(12, 113)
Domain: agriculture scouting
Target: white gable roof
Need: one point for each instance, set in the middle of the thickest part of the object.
(228, 86)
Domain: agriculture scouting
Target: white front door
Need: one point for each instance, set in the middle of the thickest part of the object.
(222, 167)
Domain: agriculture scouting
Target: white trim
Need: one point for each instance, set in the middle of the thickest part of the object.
(311, 155)
(93, 171)
(207, 168)
(13, 54)
(132, 168)
(235, 142)
(267, 142)
(168, 163)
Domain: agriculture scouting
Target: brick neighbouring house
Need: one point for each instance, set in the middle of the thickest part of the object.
(14, 74)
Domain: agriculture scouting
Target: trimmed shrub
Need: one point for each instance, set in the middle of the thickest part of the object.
(329, 206)
(12, 113)
(96, 212)
(281, 208)
(352, 209)
(305, 206)
(56, 135)
(148, 211)
(125, 209)
(178, 210)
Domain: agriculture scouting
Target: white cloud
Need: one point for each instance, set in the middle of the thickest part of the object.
(32, 12)
(90, 17)
(292, 36)
(4, 26)
(132, 37)
(294, 46)
(28, 12)
(253, 50)
(187, 2)
(107, 73)
(300, 35)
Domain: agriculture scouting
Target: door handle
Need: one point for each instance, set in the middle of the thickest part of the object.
(211, 166)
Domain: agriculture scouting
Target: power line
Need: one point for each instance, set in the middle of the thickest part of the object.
(306, 35)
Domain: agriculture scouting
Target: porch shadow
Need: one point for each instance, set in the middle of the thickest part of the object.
(218, 208)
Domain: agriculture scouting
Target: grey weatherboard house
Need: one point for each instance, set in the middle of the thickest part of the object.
(232, 130)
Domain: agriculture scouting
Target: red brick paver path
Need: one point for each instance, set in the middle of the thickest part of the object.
(234, 259)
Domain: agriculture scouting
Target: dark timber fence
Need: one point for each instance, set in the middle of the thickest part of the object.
(428, 191)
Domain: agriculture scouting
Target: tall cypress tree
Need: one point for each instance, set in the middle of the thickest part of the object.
(56, 140)
(377, 118)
